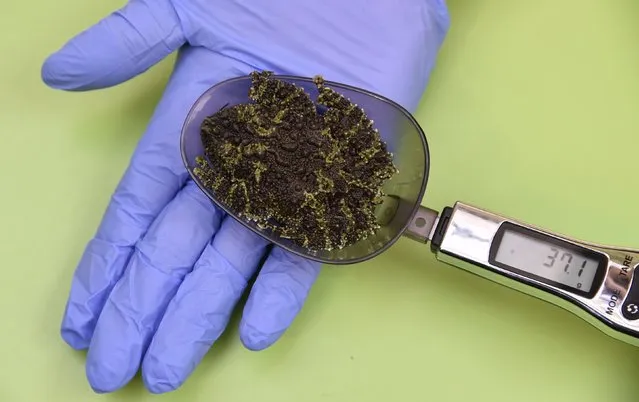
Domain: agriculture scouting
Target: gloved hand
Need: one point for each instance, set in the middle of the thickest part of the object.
(158, 282)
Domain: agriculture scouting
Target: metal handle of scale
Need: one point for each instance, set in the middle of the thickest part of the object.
(464, 236)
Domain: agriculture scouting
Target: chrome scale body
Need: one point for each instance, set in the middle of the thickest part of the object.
(465, 241)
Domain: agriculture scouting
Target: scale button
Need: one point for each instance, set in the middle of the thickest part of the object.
(630, 308)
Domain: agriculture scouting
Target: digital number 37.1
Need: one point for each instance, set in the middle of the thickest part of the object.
(565, 256)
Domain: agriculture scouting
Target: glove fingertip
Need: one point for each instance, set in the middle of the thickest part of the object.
(73, 339)
(157, 376)
(255, 340)
(52, 74)
(102, 379)
(157, 386)
(77, 324)
(67, 71)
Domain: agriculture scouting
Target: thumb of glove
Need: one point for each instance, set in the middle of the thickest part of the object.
(119, 47)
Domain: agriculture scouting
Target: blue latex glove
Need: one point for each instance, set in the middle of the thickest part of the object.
(158, 282)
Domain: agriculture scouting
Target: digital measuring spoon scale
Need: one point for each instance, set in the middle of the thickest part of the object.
(594, 282)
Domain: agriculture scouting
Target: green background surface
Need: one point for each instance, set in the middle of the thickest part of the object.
(531, 111)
